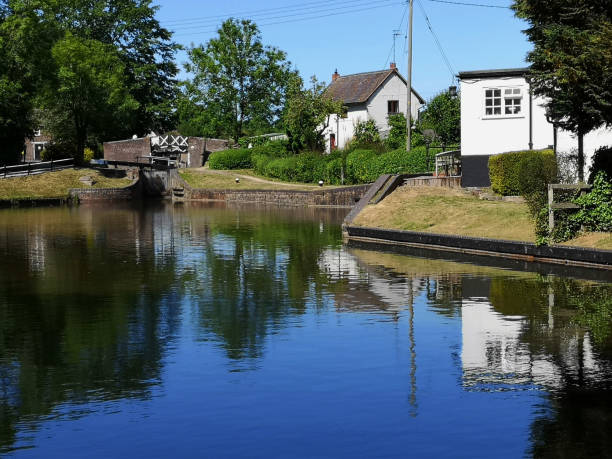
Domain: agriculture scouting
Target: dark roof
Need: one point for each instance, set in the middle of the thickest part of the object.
(493, 73)
(359, 87)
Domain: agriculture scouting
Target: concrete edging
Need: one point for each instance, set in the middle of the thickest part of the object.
(578, 256)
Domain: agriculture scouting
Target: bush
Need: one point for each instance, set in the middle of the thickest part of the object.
(276, 149)
(367, 132)
(595, 212)
(56, 150)
(359, 166)
(602, 162)
(231, 159)
(397, 131)
(88, 155)
(508, 171)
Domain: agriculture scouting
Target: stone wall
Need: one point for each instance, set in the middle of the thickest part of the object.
(340, 197)
(127, 193)
(127, 150)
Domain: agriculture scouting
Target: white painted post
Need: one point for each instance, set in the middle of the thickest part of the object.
(551, 214)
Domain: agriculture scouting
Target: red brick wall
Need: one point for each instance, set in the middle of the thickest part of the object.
(127, 150)
(29, 145)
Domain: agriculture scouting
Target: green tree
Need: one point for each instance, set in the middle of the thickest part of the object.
(443, 116)
(88, 89)
(570, 62)
(238, 83)
(24, 47)
(307, 114)
(397, 132)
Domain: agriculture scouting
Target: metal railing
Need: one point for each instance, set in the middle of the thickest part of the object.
(21, 170)
(448, 163)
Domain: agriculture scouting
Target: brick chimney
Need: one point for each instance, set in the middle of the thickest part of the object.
(336, 75)
(393, 66)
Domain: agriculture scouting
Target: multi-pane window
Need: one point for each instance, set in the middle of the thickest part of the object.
(512, 101)
(493, 102)
(503, 101)
(393, 106)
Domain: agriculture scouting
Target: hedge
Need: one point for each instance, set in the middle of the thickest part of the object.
(509, 172)
(231, 159)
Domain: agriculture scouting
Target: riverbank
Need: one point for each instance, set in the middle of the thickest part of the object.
(205, 178)
(206, 185)
(55, 187)
(452, 211)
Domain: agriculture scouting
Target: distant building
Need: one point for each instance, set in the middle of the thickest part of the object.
(35, 146)
(370, 95)
(499, 114)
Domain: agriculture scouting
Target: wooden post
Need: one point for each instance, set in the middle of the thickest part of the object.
(551, 214)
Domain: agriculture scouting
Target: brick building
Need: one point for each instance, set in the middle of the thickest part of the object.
(35, 145)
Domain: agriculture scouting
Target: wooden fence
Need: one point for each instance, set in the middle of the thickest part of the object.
(21, 170)
(563, 206)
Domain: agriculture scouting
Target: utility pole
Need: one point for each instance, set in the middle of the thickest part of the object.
(409, 82)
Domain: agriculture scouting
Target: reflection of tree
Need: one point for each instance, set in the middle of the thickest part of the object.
(250, 278)
(83, 326)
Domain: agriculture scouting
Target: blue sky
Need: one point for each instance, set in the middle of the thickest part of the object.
(357, 35)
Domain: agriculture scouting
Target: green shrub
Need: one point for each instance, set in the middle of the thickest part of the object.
(595, 212)
(231, 159)
(359, 165)
(88, 155)
(602, 162)
(519, 172)
(57, 150)
(276, 149)
(397, 131)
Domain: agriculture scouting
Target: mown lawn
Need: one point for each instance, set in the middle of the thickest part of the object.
(226, 180)
(54, 184)
(455, 211)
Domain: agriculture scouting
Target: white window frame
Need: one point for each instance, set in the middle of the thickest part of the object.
(506, 93)
(38, 133)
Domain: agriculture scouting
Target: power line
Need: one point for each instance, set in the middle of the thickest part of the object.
(284, 16)
(438, 44)
(260, 12)
(482, 5)
(306, 18)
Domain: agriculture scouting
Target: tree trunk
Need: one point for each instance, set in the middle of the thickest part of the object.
(580, 157)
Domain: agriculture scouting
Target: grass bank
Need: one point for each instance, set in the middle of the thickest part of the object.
(455, 211)
(55, 184)
(226, 180)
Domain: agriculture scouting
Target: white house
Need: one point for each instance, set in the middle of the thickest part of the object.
(370, 95)
(499, 115)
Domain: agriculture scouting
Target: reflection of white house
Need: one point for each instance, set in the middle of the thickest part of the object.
(370, 95)
(498, 115)
(493, 354)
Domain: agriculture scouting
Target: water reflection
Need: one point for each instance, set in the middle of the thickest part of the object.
(101, 305)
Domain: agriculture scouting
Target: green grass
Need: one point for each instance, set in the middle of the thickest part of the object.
(226, 180)
(454, 211)
(54, 184)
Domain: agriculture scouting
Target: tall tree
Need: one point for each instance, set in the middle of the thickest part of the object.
(89, 88)
(24, 49)
(239, 82)
(571, 62)
(443, 115)
(307, 114)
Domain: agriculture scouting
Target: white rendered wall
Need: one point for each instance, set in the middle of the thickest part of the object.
(482, 135)
(344, 128)
(392, 89)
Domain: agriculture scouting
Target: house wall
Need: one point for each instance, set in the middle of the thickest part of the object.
(483, 136)
(375, 108)
(127, 150)
(392, 89)
(30, 146)
(344, 128)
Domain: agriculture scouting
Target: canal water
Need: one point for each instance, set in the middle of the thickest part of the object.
(214, 331)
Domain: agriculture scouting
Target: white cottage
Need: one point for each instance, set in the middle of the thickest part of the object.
(370, 95)
(499, 115)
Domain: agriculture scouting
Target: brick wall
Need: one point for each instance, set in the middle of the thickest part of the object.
(29, 145)
(127, 150)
